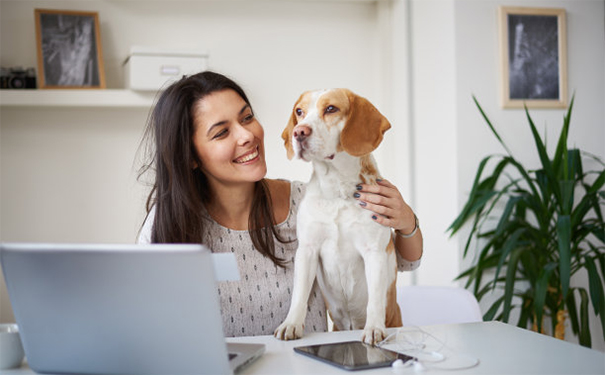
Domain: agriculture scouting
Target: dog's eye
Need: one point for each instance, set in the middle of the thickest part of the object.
(331, 109)
(299, 112)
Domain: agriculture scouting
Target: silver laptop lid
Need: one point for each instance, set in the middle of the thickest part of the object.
(128, 309)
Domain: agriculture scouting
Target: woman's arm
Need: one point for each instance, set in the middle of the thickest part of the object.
(390, 209)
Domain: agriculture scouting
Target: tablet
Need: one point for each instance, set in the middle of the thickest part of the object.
(352, 355)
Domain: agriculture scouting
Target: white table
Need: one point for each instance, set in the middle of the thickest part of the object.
(500, 349)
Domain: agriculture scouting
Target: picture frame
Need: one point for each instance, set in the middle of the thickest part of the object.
(533, 54)
(69, 50)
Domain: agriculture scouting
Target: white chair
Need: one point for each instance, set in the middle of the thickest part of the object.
(429, 305)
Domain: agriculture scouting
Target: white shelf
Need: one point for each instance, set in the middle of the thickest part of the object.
(109, 98)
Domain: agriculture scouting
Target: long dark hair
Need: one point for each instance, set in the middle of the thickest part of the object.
(180, 192)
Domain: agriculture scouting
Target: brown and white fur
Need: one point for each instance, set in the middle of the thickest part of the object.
(352, 256)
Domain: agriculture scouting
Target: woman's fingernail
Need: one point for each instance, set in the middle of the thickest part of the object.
(356, 195)
(362, 203)
(358, 187)
(374, 217)
(379, 179)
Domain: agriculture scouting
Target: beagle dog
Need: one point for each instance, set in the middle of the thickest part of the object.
(352, 256)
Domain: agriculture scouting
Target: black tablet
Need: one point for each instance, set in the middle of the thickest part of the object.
(352, 355)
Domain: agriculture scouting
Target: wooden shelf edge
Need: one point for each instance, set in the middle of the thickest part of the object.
(110, 98)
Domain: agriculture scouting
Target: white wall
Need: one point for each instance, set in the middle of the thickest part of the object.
(434, 136)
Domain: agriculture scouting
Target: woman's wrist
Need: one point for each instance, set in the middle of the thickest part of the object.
(412, 233)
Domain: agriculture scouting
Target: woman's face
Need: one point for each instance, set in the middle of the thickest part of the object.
(228, 139)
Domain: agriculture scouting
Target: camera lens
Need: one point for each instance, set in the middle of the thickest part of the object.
(17, 83)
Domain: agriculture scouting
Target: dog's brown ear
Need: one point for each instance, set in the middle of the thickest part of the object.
(287, 133)
(364, 128)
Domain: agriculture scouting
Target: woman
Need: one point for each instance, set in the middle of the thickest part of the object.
(209, 162)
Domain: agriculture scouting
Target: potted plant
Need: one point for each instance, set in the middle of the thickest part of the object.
(533, 229)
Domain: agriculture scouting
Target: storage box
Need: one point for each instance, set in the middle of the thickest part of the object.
(151, 69)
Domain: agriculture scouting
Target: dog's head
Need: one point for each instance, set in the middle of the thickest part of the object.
(330, 121)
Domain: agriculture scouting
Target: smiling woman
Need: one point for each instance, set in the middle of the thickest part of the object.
(208, 155)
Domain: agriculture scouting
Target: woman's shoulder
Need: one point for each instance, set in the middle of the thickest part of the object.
(285, 188)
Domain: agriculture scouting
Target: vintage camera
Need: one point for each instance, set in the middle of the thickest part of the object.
(17, 78)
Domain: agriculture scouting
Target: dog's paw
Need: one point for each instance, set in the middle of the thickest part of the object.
(373, 335)
(288, 331)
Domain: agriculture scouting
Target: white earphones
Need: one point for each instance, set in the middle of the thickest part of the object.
(399, 365)
(418, 366)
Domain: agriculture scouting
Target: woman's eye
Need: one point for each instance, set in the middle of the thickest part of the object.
(247, 119)
(220, 134)
(299, 112)
(331, 109)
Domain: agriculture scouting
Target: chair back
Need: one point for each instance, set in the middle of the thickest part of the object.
(430, 305)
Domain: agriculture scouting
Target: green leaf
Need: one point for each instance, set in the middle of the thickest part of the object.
(510, 244)
(585, 339)
(572, 310)
(543, 183)
(526, 313)
(511, 272)
(601, 257)
(510, 205)
(467, 210)
(595, 286)
(574, 162)
(540, 292)
(489, 123)
(546, 164)
(491, 312)
(564, 240)
(562, 144)
(567, 188)
(481, 194)
(597, 184)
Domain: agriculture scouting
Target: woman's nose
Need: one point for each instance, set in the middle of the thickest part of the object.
(244, 135)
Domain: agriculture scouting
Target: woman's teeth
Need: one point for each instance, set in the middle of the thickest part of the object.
(247, 158)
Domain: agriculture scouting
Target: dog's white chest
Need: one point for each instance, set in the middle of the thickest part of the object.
(345, 236)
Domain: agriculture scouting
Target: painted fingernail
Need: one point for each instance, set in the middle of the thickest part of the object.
(362, 203)
(379, 179)
(358, 187)
(374, 217)
(356, 195)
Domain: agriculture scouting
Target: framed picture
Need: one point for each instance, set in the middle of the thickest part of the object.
(533, 57)
(69, 50)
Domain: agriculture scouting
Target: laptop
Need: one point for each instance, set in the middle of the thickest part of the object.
(120, 309)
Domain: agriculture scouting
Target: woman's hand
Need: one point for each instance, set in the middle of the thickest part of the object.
(387, 205)
(389, 209)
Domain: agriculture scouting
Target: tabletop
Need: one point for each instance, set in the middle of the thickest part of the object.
(470, 348)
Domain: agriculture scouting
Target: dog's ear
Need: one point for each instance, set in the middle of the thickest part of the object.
(287, 133)
(364, 128)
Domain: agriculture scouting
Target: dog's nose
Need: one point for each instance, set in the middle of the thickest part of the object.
(301, 132)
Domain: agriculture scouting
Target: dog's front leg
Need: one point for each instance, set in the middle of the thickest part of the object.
(305, 270)
(378, 282)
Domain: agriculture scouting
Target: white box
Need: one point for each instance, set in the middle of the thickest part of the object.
(152, 69)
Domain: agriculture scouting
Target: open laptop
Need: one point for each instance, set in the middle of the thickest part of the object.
(120, 309)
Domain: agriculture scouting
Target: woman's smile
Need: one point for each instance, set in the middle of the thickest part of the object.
(251, 156)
